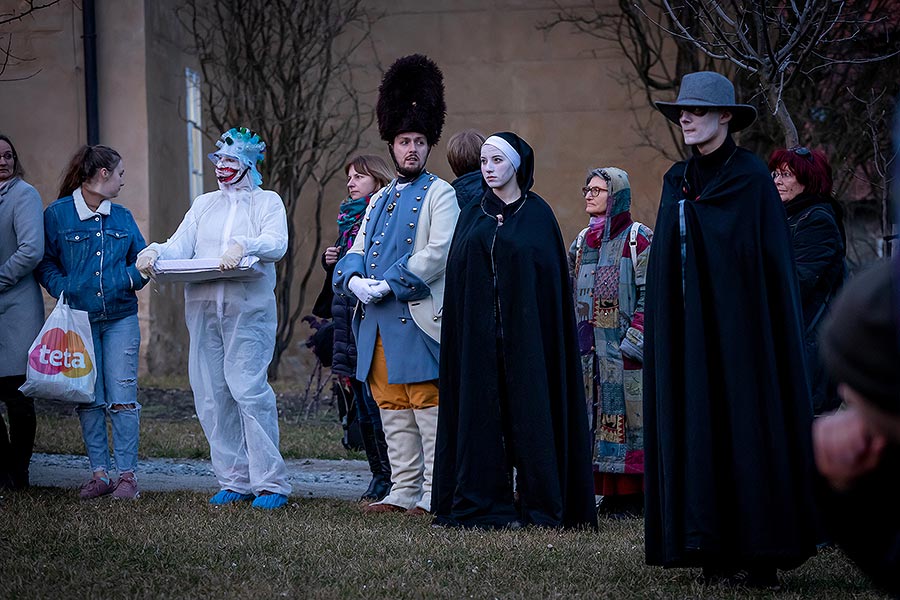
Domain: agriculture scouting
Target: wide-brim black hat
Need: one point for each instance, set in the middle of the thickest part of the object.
(411, 99)
(711, 90)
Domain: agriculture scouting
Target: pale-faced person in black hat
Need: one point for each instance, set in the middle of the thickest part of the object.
(395, 269)
(727, 411)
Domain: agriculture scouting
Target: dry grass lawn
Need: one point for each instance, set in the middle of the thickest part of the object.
(175, 545)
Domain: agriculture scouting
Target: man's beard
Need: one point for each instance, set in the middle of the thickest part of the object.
(409, 173)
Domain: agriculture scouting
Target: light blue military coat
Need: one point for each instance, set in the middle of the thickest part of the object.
(404, 239)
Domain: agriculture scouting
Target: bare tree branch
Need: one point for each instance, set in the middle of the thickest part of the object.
(797, 59)
(24, 9)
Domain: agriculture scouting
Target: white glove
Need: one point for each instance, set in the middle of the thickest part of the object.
(232, 257)
(362, 288)
(380, 288)
(145, 261)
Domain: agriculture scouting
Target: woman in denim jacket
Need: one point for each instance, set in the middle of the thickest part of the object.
(90, 248)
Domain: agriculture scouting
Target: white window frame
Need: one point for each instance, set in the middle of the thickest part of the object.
(193, 111)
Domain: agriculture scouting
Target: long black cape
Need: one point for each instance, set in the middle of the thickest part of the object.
(726, 407)
(540, 415)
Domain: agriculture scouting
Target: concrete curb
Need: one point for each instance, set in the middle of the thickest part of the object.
(310, 478)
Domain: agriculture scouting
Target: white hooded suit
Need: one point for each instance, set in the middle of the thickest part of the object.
(232, 332)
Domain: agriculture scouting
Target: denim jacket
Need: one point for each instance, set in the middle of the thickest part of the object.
(92, 260)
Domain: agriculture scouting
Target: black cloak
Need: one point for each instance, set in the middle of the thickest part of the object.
(727, 414)
(510, 378)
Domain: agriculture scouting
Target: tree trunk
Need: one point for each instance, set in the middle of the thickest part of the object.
(782, 115)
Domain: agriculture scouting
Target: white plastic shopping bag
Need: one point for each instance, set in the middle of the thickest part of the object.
(61, 358)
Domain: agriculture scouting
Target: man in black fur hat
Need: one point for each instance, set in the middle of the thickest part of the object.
(396, 271)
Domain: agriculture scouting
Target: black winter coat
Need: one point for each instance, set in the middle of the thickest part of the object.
(817, 237)
(344, 360)
(340, 310)
(468, 188)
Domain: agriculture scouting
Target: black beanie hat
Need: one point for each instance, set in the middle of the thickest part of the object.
(860, 343)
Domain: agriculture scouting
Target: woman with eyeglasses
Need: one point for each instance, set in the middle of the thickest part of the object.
(21, 311)
(803, 179)
(512, 442)
(608, 265)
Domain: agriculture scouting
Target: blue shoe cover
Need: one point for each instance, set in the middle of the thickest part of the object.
(229, 497)
(270, 501)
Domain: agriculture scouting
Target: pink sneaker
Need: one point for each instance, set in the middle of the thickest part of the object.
(126, 487)
(95, 488)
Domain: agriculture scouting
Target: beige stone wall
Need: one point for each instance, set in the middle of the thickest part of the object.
(166, 340)
(122, 87)
(43, 96)
(556, 89)
(45, 107)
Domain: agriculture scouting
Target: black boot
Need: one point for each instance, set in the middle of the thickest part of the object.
(385, 471)
(617, 508)
(15, 448)
(376, 454)
(22, 427)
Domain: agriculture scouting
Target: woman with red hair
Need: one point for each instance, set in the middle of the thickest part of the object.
(803, 179)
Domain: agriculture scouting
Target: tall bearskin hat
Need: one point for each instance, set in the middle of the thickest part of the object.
(411, 99)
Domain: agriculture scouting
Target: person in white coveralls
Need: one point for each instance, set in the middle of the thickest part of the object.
(232, 322)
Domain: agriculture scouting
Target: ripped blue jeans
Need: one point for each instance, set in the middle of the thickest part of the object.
(116, 345)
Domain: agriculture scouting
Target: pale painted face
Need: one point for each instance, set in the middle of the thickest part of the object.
(228, 169)
(495, 167)
(787, 184)
(7, 161)
(360, 185)
(704, 128)
(410, 151)
(595, 206)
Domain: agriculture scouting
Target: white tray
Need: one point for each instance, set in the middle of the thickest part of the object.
(192, 270)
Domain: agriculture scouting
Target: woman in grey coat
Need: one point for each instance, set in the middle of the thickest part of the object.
(21, 311)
